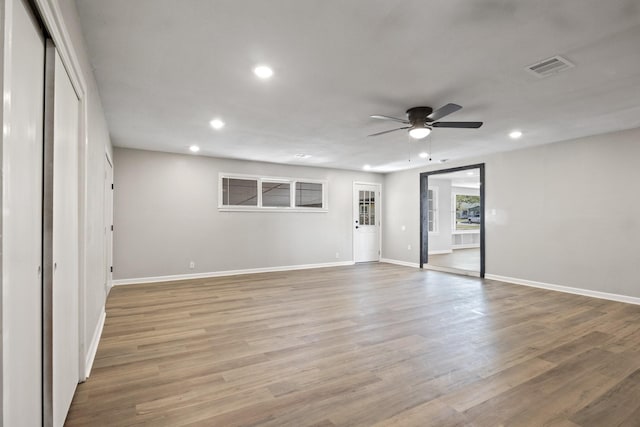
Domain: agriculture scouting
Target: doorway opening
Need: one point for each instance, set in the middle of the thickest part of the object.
(452, 225)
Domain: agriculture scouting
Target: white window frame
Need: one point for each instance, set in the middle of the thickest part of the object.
(273, 179)
(436, 210)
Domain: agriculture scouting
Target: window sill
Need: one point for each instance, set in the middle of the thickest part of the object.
(266, 209)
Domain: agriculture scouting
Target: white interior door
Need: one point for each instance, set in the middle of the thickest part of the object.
(366, 223)
(65, 323)
(22, 217)
(108, 223)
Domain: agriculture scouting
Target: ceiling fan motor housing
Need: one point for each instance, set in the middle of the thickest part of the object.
(418, 115)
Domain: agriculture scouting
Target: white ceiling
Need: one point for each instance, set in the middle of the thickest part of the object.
(165, 68)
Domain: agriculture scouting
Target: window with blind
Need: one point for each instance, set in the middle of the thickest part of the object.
(250, 192)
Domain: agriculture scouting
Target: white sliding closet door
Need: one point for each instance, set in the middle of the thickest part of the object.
(24, 54)
(65, 332)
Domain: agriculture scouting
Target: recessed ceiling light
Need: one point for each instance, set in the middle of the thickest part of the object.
(423, 155)
(194, 148)
(515, 134)
(302, 156)
(216, 124)
(366, 167)
(263, 71)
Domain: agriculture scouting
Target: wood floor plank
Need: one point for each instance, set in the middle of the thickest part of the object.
(371, 344)
(617, 406)
(487, 388)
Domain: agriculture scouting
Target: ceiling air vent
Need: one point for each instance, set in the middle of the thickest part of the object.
(549, 66)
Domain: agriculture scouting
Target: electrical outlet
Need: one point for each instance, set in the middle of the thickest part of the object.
(408, 247)
(192, 265)
(337, 255)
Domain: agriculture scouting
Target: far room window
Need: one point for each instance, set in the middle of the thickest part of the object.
(467, 213)
(432, 195)
(239, 192)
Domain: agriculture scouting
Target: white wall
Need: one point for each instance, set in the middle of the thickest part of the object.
(552, 215)
(166, 215)
(440, 241)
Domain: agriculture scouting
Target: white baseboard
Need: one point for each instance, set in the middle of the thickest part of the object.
(469, 246)
(452, 270)
(398, 262)
(140, 280)
(93, 347)
(431, 267)
(566, 289)
(446, 251)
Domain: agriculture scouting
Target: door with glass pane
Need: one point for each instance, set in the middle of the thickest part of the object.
(366, 222)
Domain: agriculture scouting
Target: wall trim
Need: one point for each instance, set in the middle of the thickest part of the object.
(176, 277)
(466, 246)
(398, 262)
(52, 16)
(93, 346)
(431, 267)
(566, 289)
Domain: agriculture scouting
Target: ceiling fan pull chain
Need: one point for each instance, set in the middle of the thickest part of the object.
(430, 149)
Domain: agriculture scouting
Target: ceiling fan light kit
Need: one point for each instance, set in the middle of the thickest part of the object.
(419, 132)
(421, 120)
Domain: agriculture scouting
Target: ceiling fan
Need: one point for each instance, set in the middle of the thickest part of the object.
(422, 120)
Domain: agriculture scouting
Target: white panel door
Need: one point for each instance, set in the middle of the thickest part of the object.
(22, 217)
(65, 332)
(366, 223)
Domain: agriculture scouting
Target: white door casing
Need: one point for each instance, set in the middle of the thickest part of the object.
(108, 223)
(24, 54)
(366, 222)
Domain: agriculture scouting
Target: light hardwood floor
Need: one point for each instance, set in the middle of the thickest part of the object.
(462, 259)
(368, 345)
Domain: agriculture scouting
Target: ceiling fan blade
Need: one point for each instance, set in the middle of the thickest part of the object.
(443, 111)
(460, 125)
(406, 122)
(387, 131)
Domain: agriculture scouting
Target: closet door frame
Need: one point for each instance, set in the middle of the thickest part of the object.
(51, 17)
